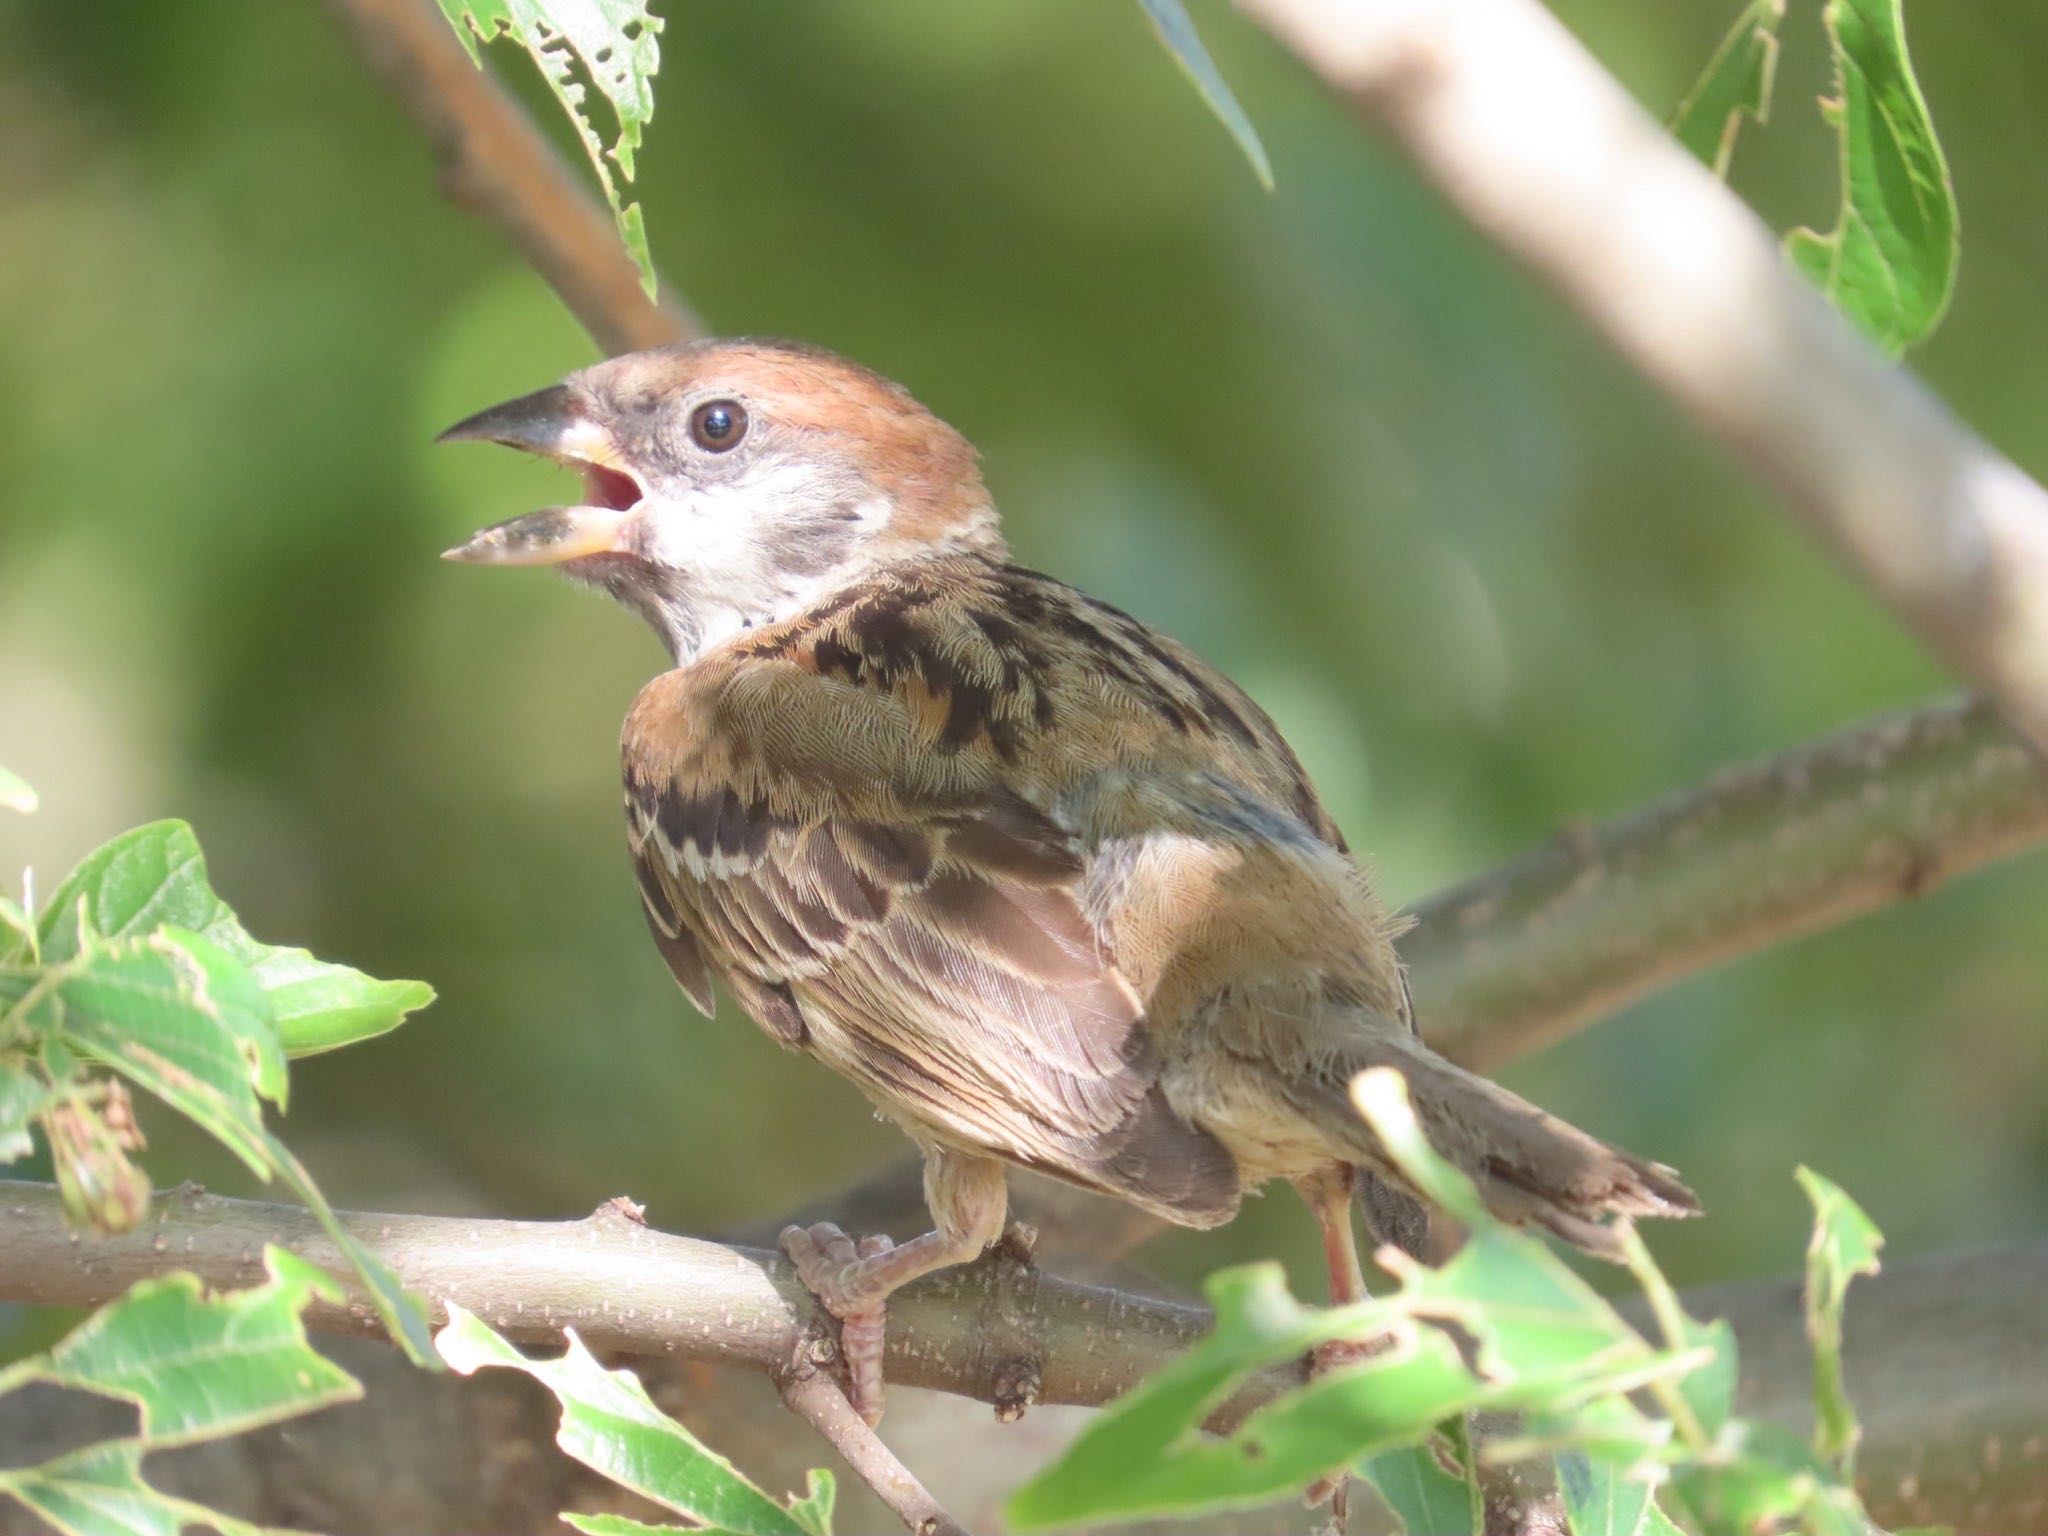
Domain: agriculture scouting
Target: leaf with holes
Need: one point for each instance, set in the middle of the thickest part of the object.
(1736, 84)
(610, 1424)
(1890, 261)
(202, 1366)
(613, 43)
(198, 1367)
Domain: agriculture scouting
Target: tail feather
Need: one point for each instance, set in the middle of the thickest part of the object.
(1530, 1167)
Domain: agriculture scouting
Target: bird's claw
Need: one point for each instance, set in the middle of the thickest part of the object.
(828, 1262)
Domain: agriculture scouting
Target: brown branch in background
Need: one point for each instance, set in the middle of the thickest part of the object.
(1946, 1356)
(1521, 130)
(1531, 951)
(497, 163)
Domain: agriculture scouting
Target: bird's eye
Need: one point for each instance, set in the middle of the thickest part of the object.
(718, 425)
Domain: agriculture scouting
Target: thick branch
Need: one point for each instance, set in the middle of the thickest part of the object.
(622, 1286)
(496, 163)
(1527, 136)
(1947, 1356)
(1531, 951)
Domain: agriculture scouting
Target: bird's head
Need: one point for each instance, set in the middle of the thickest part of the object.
(728, 484)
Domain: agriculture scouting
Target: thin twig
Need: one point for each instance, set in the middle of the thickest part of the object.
(813, 1393)
(1507, 116)
(496, 163)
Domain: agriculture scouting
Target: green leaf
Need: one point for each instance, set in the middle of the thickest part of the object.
(1176, 30)
(99, 1491)
(200, 1367)
(610, 1424)
(1425, 1498)
(15, 794)
(1763, 1477)
(1890, 261)
(1845, 1244)
(156, 875)
(403, 1316)
(612, 42)
(1600, 1499)
(1505, 1324)
(1735, 84)
(179, 1016)
(1710, 1390)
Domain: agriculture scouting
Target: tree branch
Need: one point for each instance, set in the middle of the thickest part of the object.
(1947, 1356)
(497, 164)
(1499, 107)
(813, 1395)
(1525, 954)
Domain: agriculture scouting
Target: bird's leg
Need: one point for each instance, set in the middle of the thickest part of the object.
(1328, 1193)
(853, 1281)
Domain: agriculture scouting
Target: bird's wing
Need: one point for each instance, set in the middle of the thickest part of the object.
(832, 819)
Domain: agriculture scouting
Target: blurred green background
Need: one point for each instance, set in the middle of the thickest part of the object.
(1485, 580)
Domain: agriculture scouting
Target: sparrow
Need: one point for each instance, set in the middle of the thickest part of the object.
(1050, 890)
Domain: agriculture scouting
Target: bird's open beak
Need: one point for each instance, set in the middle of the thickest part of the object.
(553, 423)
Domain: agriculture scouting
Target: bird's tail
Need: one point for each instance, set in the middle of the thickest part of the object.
(1530, 1166)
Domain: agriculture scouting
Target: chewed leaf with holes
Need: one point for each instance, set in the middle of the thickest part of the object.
(1736, 84)
(610, 1424)
(1890, 261)
(612, 43)
(198, 1367)
(201, 1366)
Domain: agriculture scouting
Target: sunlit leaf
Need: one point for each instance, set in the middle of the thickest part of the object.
(1176, 30)
(1845, 1244)
(1736, 84)
(1890, 261)
(15, 794)
(201, 1366)
(197, 1367)
(610, 1424)
(612, 44)
(179, 1016)
(100, 1492)
(156, 875)
(1424, 1497)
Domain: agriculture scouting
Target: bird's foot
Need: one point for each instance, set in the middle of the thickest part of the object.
(830, 1265)
(1335, 1355)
